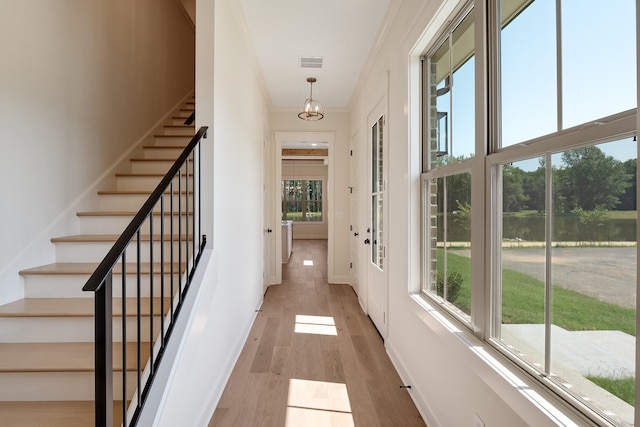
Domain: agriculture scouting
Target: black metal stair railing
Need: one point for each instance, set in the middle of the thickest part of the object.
(180, 242)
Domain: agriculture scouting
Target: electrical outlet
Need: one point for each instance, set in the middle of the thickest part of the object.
(477, 421)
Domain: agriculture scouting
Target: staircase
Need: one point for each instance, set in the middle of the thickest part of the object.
(46, 339)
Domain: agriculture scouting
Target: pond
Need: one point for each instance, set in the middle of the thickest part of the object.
(565, 229)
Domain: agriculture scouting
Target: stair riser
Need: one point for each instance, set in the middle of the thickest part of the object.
(156, 167)
(180, 130)
(138, 183)
(164, 153)
(70, 286)
(133, 202)
(177, 120)
(96, 251)
(117, 224)
(68, 329)
(168, 141)
(58, 386)
(185, 111)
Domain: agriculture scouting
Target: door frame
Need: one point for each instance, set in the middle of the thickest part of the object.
(355, 229)
(283, 136)
(268, 227)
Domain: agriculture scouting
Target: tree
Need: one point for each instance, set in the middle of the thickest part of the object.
(533, 186)
(458, 189)
(593, 221)
(462, 215)
(513, 197)
(591, 178)
(628, 200)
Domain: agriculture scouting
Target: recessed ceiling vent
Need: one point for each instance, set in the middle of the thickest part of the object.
(311, 62)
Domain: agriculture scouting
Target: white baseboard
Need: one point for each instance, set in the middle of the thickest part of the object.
(426, 411)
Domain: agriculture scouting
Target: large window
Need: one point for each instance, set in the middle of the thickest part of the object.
(448, 147)
(554, 197)
(302, 200)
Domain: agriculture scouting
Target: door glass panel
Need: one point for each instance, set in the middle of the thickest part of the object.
(377, 188)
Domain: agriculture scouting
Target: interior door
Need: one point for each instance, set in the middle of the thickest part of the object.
(375, 236)
(354, 228)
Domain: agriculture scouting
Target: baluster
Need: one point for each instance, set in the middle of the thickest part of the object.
(104, 353)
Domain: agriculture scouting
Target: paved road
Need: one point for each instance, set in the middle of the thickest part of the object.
(608, 274)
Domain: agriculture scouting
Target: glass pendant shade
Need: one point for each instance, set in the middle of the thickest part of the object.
(312, 109)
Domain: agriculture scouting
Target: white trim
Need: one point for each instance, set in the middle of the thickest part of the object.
(429, 415)
(482, 358)
(280, 137)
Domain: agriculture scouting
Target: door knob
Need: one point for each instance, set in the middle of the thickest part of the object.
(269, 230)
(367, 241)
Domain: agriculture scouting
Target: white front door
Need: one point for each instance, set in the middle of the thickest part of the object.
(375, 235)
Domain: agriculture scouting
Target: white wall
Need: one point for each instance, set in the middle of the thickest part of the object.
(231, 100)
(452, 373)
(338, 209)
(80, 83)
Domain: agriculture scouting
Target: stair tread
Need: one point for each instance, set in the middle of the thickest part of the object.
(63, 357)
(132, 192)
(164, 147)
(174, 136)
(126, 213)
(87, 268)
(143, 159)
(53, 414)
(145, 175)
(103, 238)
(73, 307)
(180, 126)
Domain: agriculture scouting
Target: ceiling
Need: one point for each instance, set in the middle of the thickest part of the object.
(341, 32)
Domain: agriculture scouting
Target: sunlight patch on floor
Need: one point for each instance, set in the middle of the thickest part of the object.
(318, 403)
(307, 262)
(318, 325)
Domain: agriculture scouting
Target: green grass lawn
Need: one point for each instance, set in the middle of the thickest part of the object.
(624, 388)
(610, 214)
(523, 302)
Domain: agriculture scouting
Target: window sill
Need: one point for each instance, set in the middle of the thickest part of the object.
(497, 371)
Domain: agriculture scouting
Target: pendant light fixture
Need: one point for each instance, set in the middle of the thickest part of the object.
(312, 109)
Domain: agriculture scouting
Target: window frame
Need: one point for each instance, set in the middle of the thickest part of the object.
(431, 171)
(305, 201)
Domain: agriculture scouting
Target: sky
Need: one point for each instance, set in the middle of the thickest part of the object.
(598, 75)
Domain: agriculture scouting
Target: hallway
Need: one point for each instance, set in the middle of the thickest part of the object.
(313, 358)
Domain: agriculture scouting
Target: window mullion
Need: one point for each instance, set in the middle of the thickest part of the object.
(548, 259)
(559, 64)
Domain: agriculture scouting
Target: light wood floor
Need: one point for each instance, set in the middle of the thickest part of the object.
(313, 358)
